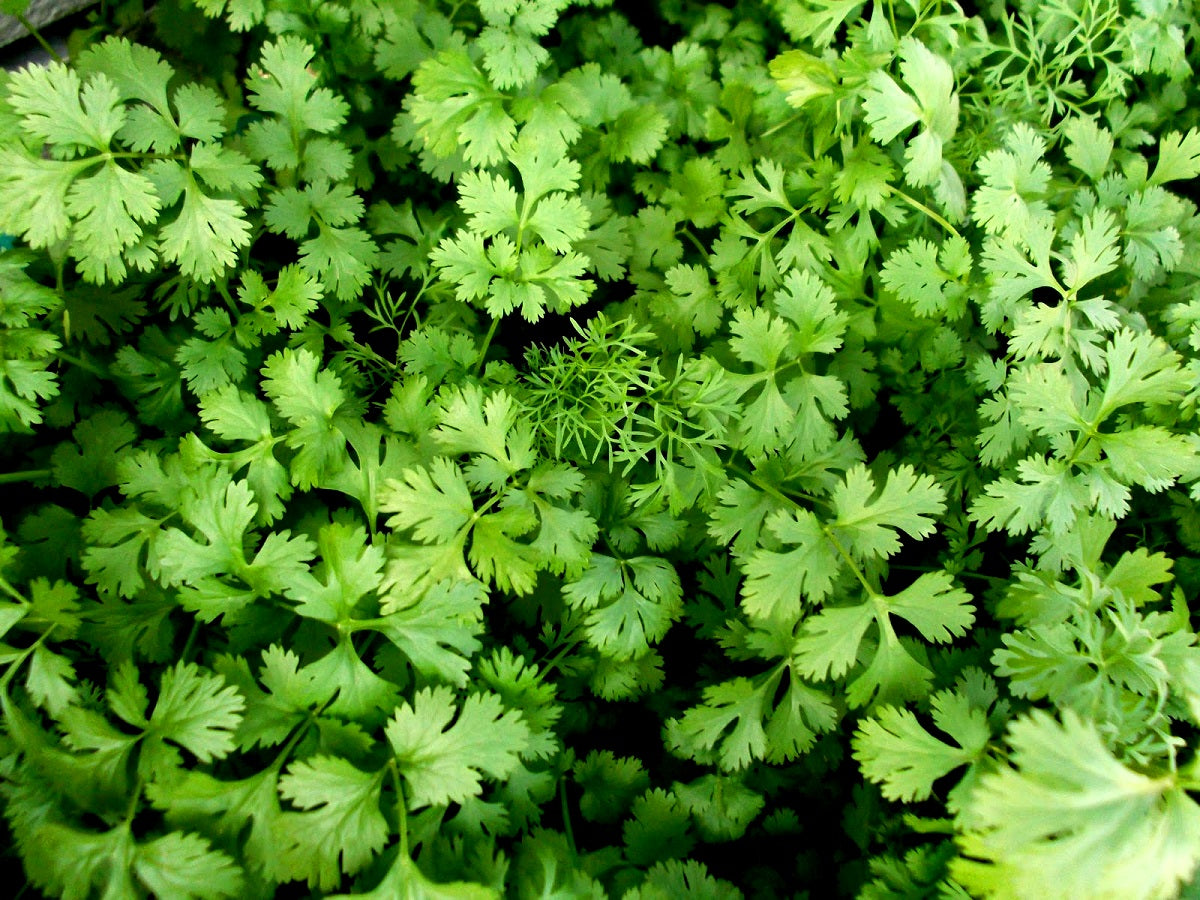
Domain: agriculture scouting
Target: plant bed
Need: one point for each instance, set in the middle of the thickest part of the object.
(590, 449)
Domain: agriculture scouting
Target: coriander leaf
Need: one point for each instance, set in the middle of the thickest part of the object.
(283, 84)
(90, 463)
(657, 829)
(51, 681)
(831, 642)
(443, 762)
(721, 806)
(342, 828)
(1015, 178)
(434, 502)
(196, 710)
(928, 278)
(511, 52)
(776, 582)
(438, 633)
(245, 810)
(206, 234)
(1065, 818)
(732, 716)
(867, 519)
(349, 570)
(362, 694)
(314, 404)
(678, 878)
(895, 750)
(631, 603)
(457, 110)
(405, 879)
(1089, 146)
(241, 14)
(1178, 157)
(181, 864)
(609, 784)
(890, 111)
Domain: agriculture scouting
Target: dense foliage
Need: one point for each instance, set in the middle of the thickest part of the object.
(562, 449)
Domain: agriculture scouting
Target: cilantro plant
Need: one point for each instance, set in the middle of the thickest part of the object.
(565, 448)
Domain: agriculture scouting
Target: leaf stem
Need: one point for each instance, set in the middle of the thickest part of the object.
(25, 654)
(848, 559)
(771, 489)
(191, 641)
(37, 36)
(825, 530)
(487, 342)
(401, 808)
(7, 588)
(960, 574)
(86, 365)
(568, 831)
(687, 233)
(27, 475)
(921, 207)
(780, 126)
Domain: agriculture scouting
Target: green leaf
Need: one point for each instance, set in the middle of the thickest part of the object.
(439, 632)
(342, 827)
(869, 519)
(631, 603)
(890, 111)
(51, 681)
(283, 84)
(435, 502)
(405, 879)
(196, 710)
(205, 236)
(511, 52)
(56, 107)
(610, 784)
(89, 465)
(180, 864)
(456, 109)
(1089, 147)
(777, 582)
(246, 809)
(657, 829)
(831, 642)
(1178, 157)
(443, 762)
(1066, 818)
(313, 403)
(896, 751)
(929, 278)
(721, 806)
(677, 878)
(732, 717)
(242, 15)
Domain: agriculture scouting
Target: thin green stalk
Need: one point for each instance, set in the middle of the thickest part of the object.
(962, 574)
(27, 475)
(86, 365)
(25, 654)
(7, 588)
(771, 489)
(401, 808)
(687, 233)
(566, 817)
(487, 342)
(780, 126)
(37, 36)
(191, 641)
(829, 535)
(921, 207)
